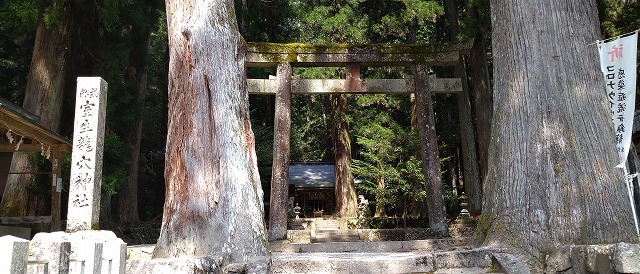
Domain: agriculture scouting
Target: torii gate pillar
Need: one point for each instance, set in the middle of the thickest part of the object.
(281, 152)
(429, 152)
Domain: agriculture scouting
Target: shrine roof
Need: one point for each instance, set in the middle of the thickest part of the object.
(312, 175)
(25, 124)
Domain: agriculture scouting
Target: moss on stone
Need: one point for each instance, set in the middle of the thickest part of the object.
(298, 48)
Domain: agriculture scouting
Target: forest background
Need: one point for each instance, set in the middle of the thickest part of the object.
(125, 42)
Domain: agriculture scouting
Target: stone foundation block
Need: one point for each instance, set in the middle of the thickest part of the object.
(54, 251)
(626, 258)
(211, 264)
(462, 259)
(13, 256)
(95, 251)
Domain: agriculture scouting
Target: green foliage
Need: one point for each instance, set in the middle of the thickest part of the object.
(422, 11)
(361, 21)
(309, 128)
(103, 36)
(385, 146)
(54, 13)
(20, 13)
(478, 22)
(618, 17)
(17, 32)
(266, 21)
(115, 161)
(154, 115)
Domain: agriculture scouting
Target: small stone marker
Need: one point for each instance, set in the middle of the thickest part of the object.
(86, 159)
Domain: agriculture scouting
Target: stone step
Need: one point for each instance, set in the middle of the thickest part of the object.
(466, 261)
(337, 232)
(444, 244)
(468, 270)
(322, 224)
(472, 261)
(336, 239)
(344, 235)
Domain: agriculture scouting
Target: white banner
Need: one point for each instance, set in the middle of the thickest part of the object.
(618, 64)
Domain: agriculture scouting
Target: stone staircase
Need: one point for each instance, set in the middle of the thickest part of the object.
(334, 249)
(332, 230)
(331, 236)
(327, 224)
(439, 256)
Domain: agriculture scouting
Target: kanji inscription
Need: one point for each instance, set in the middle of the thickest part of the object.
(86, 159)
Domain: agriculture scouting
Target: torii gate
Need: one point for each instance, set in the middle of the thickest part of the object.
(418, 57)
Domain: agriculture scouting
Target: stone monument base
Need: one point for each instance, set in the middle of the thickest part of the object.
(95, 251)
(186, 265)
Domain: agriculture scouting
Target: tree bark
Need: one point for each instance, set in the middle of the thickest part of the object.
(346, 203)
(43, 97)
(213, 197)
(327, 126)
(482, 96)
(380, 207)
(551, 177)
(472, 183)
(429, 152)
(345, 190)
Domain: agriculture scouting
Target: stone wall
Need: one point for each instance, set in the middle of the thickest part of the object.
(606, 258)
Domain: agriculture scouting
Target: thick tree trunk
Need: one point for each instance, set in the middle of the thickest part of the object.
(137, 74)
(472, 186)
(327, 127)
(452, 168)
(471, 177)
(429, 152)
(242, 19)
(15, 199)
(345, 191)
(551, 177)
(214, 197)
(106, 207)
(482, 97)
(43, 97)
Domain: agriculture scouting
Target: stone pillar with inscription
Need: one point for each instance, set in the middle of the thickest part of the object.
(86, 158)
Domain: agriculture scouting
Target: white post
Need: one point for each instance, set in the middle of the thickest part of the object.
(86, 159)
(13, 255)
